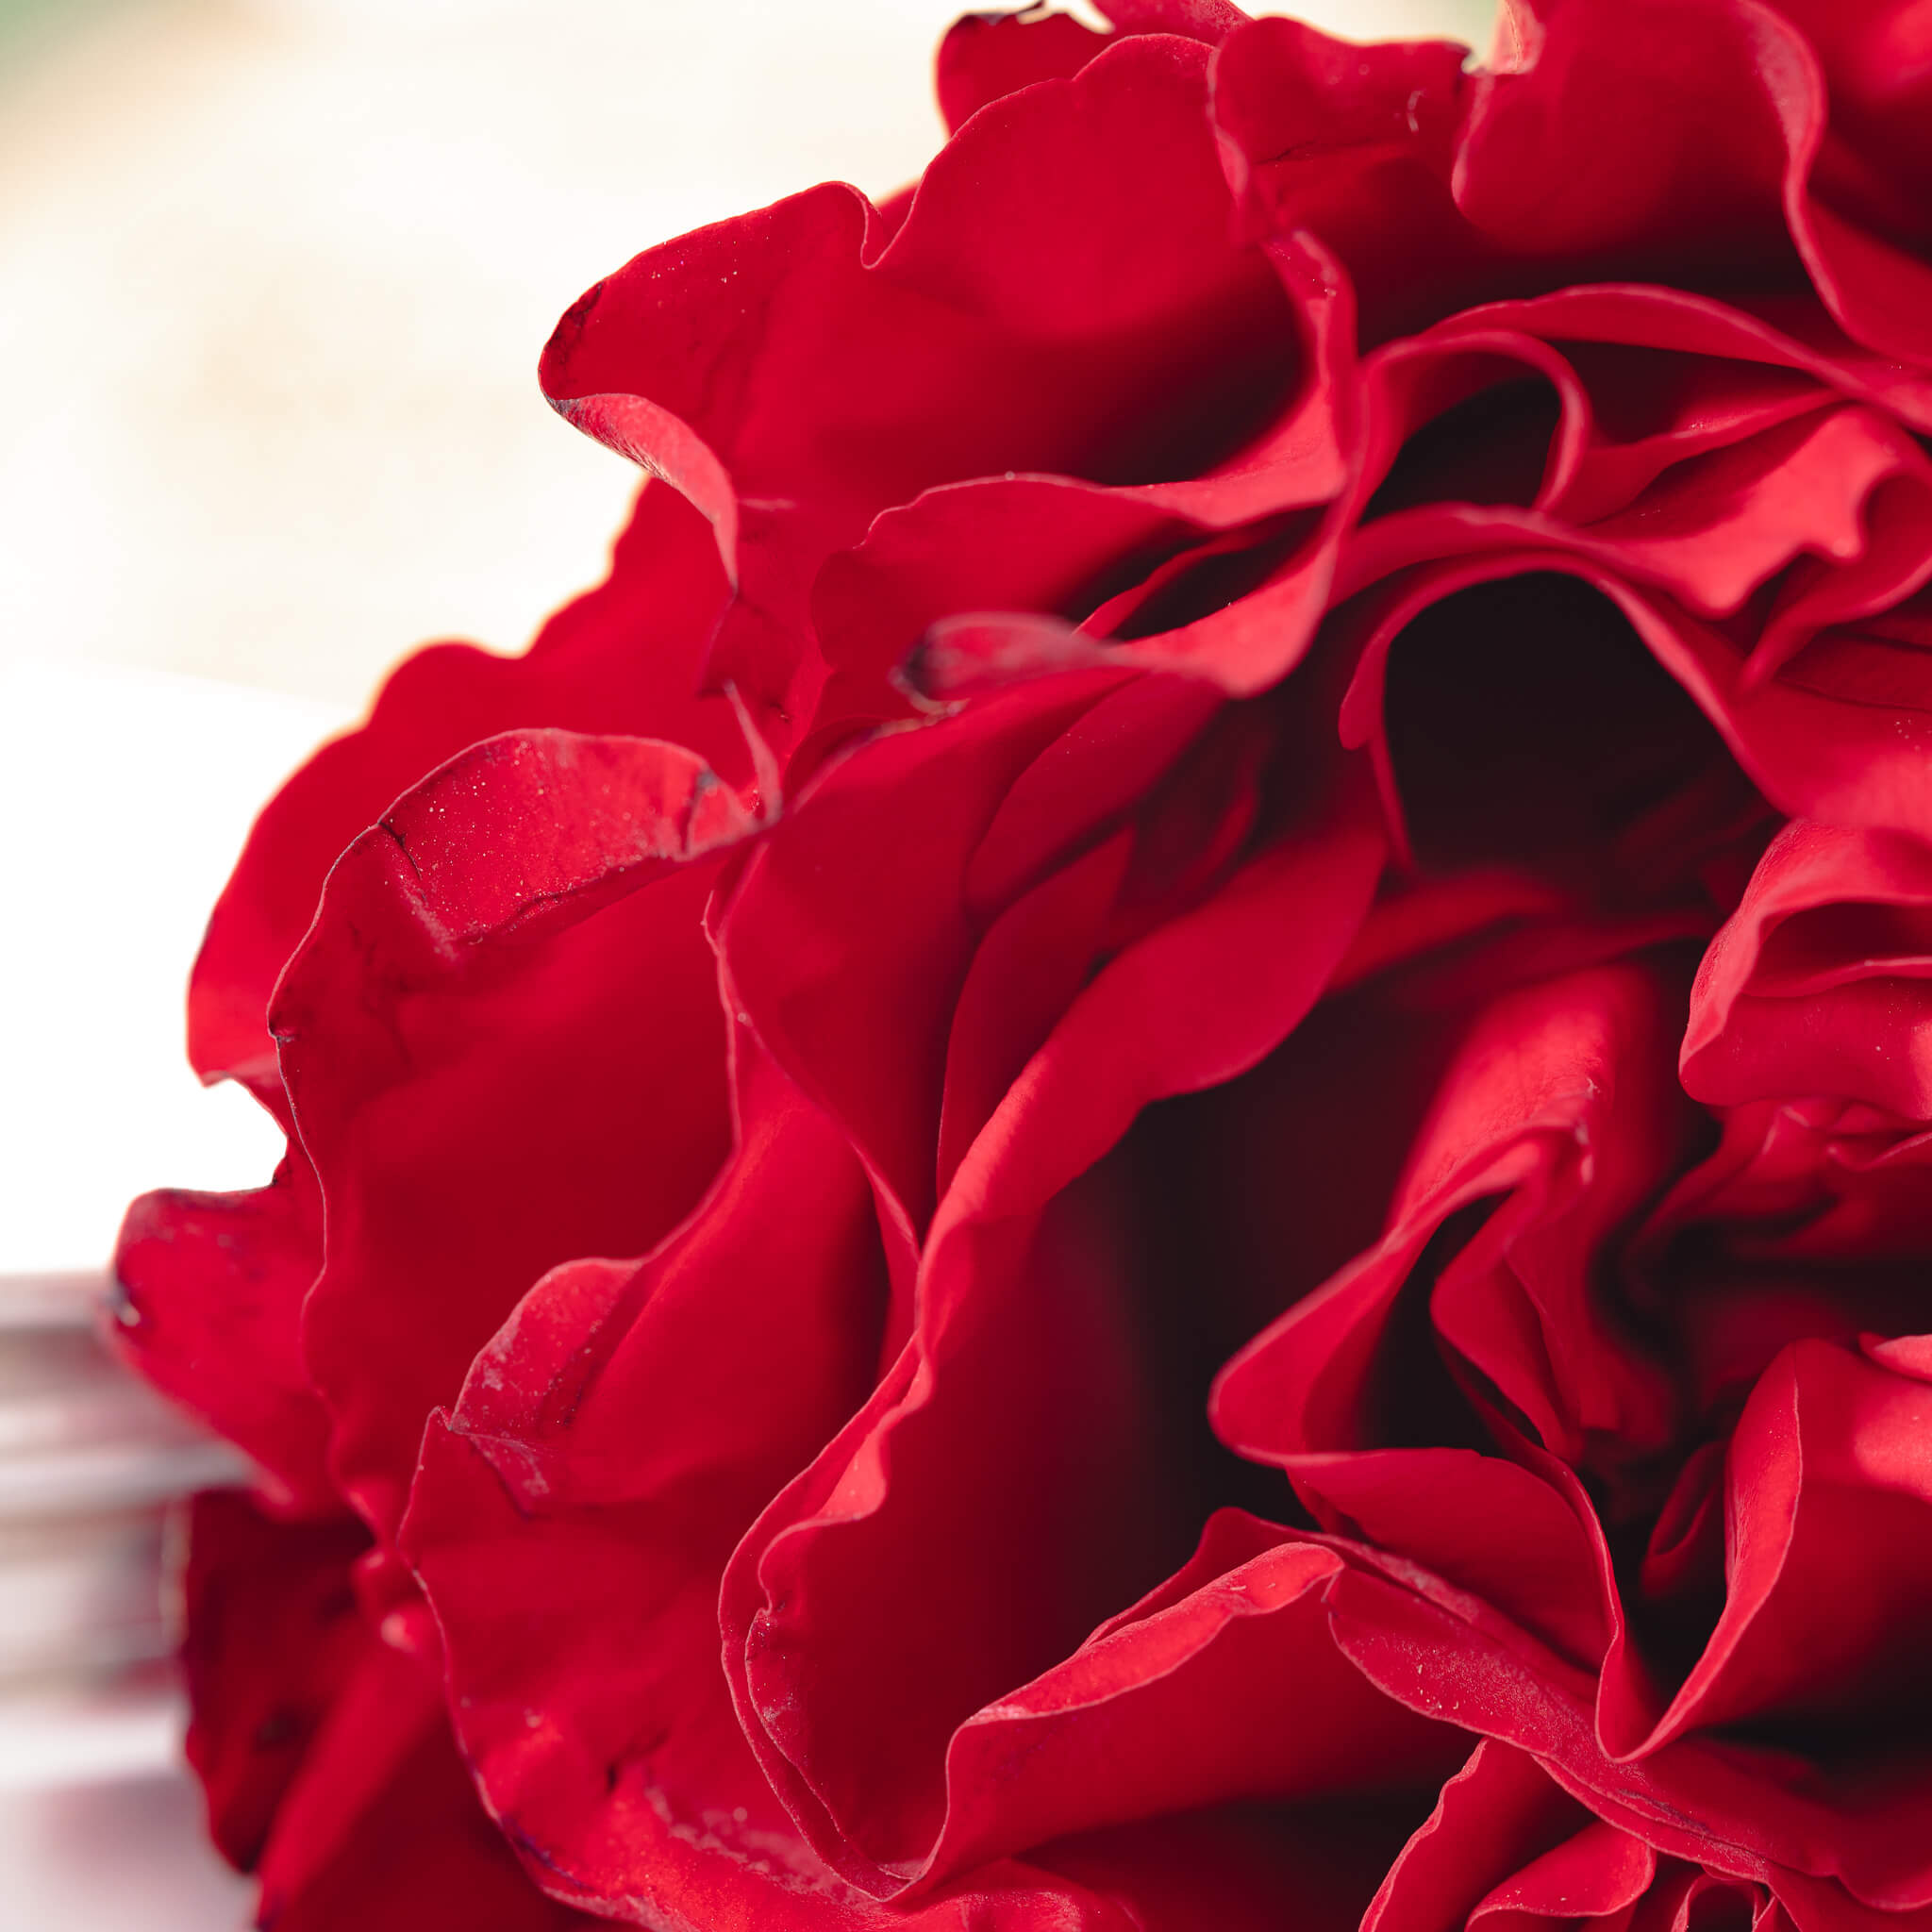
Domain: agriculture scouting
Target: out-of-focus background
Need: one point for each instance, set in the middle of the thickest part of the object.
(274, 275)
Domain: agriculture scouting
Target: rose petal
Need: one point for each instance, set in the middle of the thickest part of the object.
(1027, 970)
(381, 1826)
(502, 1041)
(1787, 333)
(1041, 543)
(1506, 1846)
(1553, 1104)
(1836, 735)
(1351, 143)
(1234, 1691)
(1111, 332)
(1202, 20)
(985, 57)
(271, 1638)
(1719, 113)
(1828, 1556)
(211, 1289)
(574, 1513)
(1662, 131)
(323, 1754)
(859, 1013)
(1735, 1811)
(935, 1489)
(1813, 986)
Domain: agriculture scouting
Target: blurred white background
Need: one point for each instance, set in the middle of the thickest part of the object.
(274, 277)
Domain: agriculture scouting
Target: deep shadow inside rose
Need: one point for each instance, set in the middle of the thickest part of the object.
(1179, 1154)
(1724, 1300)
(1490, 447)
(1530, 731)
(1646, 1343)
(1808, 951)
(1201, 579)
(1233, 1162)
(1178, 412)
(1528, 725)
(1327, 1856)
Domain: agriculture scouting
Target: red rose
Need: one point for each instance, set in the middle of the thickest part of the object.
(1306, 852)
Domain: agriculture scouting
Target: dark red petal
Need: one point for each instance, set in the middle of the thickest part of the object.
(985, 57)
(1743, 1812)
(1016, 1482)
(325, 1754)
(1712, 528)
(574, 1511)
(213, 1288)
(935, 1493)
(1487, 1525)
(1028, 968)
(1876, 599)
(1828, 1557)
(1230, 1869)
(272, 1639)
(1654, 409)
(858, 1010)
(1660, 131)
(1877, 290)
(1814, 985)
(542, 1492)
(1816, 1905)
(1808, 1181)
(1351, 143)
(1599, 1874)
(1784, 333)
(1109, 761)
(1560, 1105)
(1876, 162)
(1112, 330)
(1040, 543)
(1496, 1815)
(1202, 20)
(381, 1827)
(1240, 607)
(503, 1044)
(1233, 1691)
(1685, 135)
(1840, 734)
(1198, 1001)
(1476, 416)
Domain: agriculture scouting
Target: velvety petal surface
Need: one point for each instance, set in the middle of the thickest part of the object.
(504, 1049)
(209, 1293)
(325, 1755)
(1033, 1528)
(1813, 987)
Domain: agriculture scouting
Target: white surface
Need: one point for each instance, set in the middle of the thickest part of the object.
(52, 1740)
(274, 274)
(125, 793)
(119, 1855)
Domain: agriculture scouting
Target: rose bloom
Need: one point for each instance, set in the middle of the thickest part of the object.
(1149, 1145)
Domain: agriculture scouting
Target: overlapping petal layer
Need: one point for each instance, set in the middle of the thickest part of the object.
(1209, 1202)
